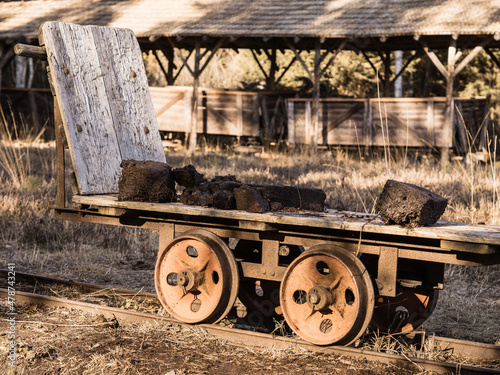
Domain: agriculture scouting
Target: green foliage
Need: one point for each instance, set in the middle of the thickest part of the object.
(350, 75)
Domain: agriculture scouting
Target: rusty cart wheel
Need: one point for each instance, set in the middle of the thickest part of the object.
(327, 296)
(196, 278)
(405, 312)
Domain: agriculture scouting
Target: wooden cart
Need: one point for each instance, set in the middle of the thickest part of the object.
(331, 274)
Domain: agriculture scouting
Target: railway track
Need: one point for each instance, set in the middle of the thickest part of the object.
(247, 338)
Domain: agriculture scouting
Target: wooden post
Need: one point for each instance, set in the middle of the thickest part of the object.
(316, 94)
(194, 100)
(448, 122)
(450, 72)
(61, 161)
(6, 56)
(2, 47)
(291, 122)
(171, 66)
(315, 79)
(387, 73)
(196, 72)
(272, 73)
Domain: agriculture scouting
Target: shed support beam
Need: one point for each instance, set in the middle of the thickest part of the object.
(169, 53)
(450, 72)
(196, 72)
(448, 122)
(387, 81)
(493, 57)
(184, 59)
(194, 99)
(271, 80)
(168, 72)
(386, 58)
(315, 77)
(316, 93)
(6, 56)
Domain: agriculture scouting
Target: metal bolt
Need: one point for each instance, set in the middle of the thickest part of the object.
(272, 273)
(264, 272)
(284, 251)
(183, 279)
(314, 298)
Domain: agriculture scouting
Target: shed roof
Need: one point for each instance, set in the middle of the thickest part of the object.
(261, 18)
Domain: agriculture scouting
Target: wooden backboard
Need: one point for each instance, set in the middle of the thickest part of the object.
(99, 79)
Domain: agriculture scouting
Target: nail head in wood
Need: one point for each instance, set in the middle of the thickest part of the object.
(79, 128)
(133, 74)
(146, 130)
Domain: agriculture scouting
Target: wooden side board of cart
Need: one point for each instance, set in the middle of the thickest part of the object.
(330, 274)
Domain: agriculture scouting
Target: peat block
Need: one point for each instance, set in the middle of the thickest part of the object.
(225, 192)
(250, 199)
(217, 193)
(294, 197)
(188, 176)
(409, 205)
(146, 181)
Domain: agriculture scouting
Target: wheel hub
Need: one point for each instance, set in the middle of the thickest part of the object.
(319, 298)
(188, 280)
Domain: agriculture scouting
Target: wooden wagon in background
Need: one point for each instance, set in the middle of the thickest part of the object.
(252, 114)
(274, 116)
(400, 122)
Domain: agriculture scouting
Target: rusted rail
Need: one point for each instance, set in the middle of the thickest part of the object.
(255, 339)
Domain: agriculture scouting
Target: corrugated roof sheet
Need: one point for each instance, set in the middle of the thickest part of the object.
(305, 18)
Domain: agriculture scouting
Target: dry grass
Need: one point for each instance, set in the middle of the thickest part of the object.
(36, 242)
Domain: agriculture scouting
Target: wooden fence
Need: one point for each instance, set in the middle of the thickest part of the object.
(412, 122)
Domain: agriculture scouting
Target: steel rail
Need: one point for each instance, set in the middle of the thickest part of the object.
(245, 338)
(90, 287)
(459, 347)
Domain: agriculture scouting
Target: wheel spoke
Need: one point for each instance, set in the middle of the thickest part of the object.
(336, 282)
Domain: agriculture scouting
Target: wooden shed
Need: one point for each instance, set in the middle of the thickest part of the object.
(198, 29)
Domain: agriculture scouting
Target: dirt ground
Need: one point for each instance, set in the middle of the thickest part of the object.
(62, 341)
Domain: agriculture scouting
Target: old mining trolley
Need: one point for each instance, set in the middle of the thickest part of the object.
(355, 271)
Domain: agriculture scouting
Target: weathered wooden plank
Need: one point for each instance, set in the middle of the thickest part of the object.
(332, 219)
(291, 122)
(102, 90)
(169, 104)
(132, 110)
(345, 116)
(81, 93)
